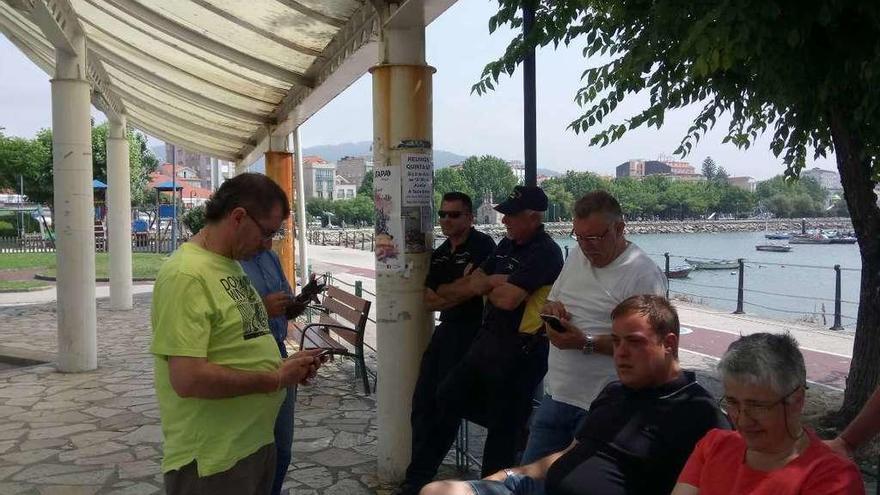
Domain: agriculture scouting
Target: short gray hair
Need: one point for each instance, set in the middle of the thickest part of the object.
(598, 201)
(768, 359)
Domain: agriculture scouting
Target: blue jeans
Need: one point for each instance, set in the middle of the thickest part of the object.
(553, 428)
(517, 484)
(283, 439)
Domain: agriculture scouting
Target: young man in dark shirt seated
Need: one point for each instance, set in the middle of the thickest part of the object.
(639, 431)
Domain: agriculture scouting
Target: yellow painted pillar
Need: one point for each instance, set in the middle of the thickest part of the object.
(279, 167)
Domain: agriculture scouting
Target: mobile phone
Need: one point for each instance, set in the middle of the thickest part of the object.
(323, 353)
(554, 322)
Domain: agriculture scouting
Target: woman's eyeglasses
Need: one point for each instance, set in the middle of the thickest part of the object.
(754, 410)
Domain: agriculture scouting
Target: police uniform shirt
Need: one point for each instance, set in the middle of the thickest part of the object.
(448, 266)
(533, 267)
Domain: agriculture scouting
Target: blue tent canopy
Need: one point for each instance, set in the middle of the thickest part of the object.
(167, 186)
(96, 184)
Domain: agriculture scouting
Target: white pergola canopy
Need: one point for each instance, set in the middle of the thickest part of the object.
(221, 77)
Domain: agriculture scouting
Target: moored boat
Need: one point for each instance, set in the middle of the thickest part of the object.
(810, 239)
(774, 248)
(713, 264)
(778, 236)
(681, 271)
(843, 239)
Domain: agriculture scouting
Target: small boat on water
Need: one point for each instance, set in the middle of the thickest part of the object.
(774, 248)
(713, 264)
(843, 239)
(681, 271)
(778, 236)
(810, 239)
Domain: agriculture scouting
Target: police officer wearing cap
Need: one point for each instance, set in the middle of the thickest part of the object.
(493, 385)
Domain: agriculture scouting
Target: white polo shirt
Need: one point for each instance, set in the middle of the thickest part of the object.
(590, 294)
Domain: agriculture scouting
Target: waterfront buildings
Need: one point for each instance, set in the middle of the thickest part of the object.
(354, 168)
(639, 168)
(211, 171)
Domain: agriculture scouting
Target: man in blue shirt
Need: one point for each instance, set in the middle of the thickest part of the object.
(266, 275)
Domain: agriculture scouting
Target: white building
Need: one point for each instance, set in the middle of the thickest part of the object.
(519, 170)
(744, 182)
(319, 176)
(344, 188)
(828, 179)
(486, 213)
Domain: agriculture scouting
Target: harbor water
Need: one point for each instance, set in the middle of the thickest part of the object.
(798, 285)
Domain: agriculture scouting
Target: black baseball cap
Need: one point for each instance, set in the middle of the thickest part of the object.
(523, 198)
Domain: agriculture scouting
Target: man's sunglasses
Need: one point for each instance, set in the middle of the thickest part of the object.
(451, 214)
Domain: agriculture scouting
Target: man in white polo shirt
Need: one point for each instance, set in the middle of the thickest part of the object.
(606, 270)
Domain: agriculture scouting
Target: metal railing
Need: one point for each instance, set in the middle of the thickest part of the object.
(27, 244)
(355, 239)
(740, 295)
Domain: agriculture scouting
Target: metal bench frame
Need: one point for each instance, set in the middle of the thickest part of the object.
(348, 307)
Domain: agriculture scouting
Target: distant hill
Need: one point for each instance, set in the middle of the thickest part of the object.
(333, 152)
(159, 152)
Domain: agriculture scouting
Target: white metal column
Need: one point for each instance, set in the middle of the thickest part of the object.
(119, 214)
(401, 127)
(301, 225)
(74, 215)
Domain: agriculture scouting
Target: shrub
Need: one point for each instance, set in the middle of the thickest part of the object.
(194, 219)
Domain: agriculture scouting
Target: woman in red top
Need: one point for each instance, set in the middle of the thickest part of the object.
(771, 452)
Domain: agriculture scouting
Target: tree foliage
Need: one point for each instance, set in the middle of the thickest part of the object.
(656, 196)
(353, 212)
(807, 72)
(32, 159)
(488, 175)
(754, 60)
(709, 168)
(366, 186)
(26, 158)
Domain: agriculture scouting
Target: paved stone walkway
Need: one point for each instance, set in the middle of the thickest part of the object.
(98, 432)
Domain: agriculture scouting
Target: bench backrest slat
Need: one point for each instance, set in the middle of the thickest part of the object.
(348, 307)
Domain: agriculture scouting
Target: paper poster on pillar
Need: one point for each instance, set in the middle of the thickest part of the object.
(389, 231)
(418, 199)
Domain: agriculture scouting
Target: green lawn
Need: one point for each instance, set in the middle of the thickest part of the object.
(15, 261)
(21, 285)
(143, 265)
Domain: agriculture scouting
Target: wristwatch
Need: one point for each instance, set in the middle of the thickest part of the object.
(509, 472)
(589, 345)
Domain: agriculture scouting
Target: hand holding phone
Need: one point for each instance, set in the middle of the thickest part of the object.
(554, 322)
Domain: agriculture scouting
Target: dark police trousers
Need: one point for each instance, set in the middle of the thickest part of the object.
(434, 428)
(494, 386)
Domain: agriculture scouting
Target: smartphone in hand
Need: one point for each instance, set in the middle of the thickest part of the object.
(554, 322)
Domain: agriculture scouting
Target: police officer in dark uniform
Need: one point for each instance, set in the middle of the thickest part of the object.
(434, 428)
(494, 384)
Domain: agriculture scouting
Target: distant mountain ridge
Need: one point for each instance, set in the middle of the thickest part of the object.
(334, 152)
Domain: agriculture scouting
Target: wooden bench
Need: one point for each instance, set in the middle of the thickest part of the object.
(340, 328)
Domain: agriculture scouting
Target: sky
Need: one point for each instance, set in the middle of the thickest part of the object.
(458, 46)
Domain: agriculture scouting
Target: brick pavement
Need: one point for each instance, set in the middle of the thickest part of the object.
(98, 432)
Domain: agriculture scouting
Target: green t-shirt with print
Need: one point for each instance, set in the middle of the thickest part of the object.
(204, 306)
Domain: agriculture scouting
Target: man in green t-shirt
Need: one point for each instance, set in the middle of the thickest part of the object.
(220, 379)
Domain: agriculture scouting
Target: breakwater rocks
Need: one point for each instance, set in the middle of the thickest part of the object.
(363, 238)
(558, 229)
